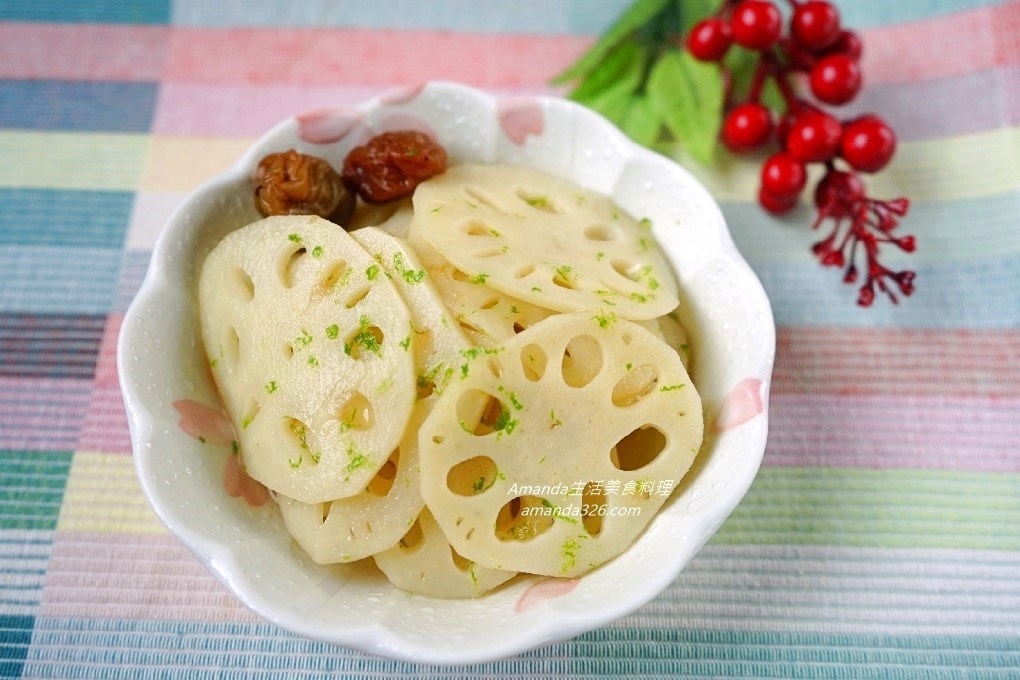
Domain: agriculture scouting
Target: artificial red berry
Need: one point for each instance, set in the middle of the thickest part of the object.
(838, 192)
(835, 79)
(747, 127)
(814, 137)
(868, 144)
(777, 205)
(815, 25)
(756, 24)
(783, 175)
(710, 39)
(848, 43)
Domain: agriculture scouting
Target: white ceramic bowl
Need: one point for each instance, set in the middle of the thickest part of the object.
(164, 377)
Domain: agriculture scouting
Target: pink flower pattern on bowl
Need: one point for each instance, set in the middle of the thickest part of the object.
(519, 118)
(211, 426)
(542, 590)
(744, 402)
(325, 126)
(205, 423)
(238, 484)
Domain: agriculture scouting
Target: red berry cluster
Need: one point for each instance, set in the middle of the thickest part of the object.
(828, 55)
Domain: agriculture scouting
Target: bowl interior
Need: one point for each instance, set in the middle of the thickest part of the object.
(162, 360)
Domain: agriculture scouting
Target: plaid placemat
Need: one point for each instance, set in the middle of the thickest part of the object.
(881, 538)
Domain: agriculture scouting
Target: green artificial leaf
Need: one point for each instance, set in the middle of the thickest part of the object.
(613, 101)
(636, 17)
(688, 95)
(613, 96)
(772, 98)
(617, 65)
(642, 122)
(740, 62)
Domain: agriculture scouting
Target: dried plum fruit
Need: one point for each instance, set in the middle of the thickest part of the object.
(390, 165)
(291, 183)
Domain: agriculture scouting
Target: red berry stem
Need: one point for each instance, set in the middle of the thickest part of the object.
(761, 72)
(868, 223)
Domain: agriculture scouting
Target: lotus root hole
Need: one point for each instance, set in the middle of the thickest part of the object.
(479, 195)
(582, 361)
(491, 251)
(458, 275)
(524, 270)
(251, 411)
(533, 361)
(477, 228)
(472, 476)
(518, 327)
(628, 269)
(481, 414)
(516, 521)
(424, 342)
(290, 263)
(297, 433)
(538, 201)
(333, 274)
(593, 504)
(495, 368)
(459, 561)
(635, 385)
(356, 413)
(469, 328)
(424, 389)
(564, 279)
(357, 296)
(245, 284)
(615, 285)
(382, 482)
(490, 303)
(364, 342)
(231, 349)
(599, 232)
(638, 449)
(413, 538)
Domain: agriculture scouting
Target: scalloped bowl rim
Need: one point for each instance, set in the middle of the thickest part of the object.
(744, 444)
